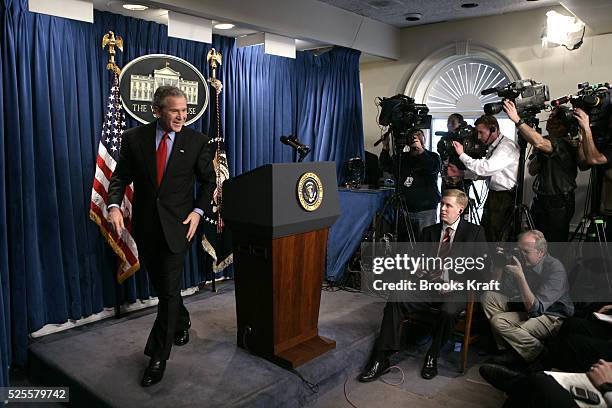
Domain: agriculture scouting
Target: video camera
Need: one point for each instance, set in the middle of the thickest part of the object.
(403, 117)
(468, 137)
(595, 100)
(533, 97)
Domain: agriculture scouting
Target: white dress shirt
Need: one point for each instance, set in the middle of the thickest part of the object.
(500, 167)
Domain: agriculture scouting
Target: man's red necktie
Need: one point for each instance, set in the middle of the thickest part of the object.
(161, 154)
(444, 250)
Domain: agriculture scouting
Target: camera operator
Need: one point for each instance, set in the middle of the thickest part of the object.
(454, 122)
(555, 167)
(418, 176)
(499, 168)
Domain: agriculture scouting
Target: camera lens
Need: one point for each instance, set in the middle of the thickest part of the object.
(493, 108)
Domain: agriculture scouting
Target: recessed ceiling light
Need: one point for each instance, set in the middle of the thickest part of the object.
(135, 7)
(224, 26)
(413, 16)
(469, 5)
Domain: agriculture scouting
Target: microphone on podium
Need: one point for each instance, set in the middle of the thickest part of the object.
(293, 141)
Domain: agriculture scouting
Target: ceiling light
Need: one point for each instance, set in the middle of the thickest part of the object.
(413, 16)
(224, 26)
(563, 30)
(469, 5)
(135, 7)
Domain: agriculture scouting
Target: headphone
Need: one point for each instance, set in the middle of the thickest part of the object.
(492, 129)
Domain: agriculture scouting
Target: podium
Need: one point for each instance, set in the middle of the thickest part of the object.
(279, 215)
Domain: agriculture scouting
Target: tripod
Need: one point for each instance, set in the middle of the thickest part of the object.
(397, 204)
(473, 203)
(520, 212)
(592, 226)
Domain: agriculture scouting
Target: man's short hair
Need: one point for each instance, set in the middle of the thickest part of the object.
(488, 120)
(457, 116)
(162, 92)
(459, 195)
(538, 236)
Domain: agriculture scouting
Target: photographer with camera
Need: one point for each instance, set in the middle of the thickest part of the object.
(555, 167)
(499, 167)
(533, 301)
(418, 178)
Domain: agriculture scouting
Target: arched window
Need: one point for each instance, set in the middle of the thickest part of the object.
(457, 87)
(451, 79)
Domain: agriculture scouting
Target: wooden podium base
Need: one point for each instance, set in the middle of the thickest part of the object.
(304, 352)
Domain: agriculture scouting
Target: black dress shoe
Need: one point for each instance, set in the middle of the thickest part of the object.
(153, 373)
(430, 367)
(181, 337)
(499, 376)
(374, 370)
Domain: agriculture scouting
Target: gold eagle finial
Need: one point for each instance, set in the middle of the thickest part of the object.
(111, 41)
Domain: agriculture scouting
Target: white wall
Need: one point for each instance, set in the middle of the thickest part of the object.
(515, 35)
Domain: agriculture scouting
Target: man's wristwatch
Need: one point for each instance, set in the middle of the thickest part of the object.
(520, 122)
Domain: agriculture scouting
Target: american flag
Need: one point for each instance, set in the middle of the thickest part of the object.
(108, 154)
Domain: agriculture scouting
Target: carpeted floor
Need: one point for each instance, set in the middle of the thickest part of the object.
(102, 363)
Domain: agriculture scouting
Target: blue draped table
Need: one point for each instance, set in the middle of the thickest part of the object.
(358, 208)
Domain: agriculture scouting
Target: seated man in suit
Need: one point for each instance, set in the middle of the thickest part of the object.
(453, 228)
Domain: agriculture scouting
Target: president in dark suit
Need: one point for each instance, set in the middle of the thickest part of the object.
(453, 228)
(163, 159)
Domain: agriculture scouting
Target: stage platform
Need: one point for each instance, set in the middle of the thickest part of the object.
(102, 363)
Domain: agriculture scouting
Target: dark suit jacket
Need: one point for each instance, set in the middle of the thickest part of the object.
(471, 236)
(190, 159)
(466, 232)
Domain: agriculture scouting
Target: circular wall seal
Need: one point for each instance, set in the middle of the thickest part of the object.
(310, 191)
(142, 76)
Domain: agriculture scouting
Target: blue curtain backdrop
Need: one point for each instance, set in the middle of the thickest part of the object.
(54, 264)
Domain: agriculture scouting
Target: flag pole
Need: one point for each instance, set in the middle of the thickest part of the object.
(219, 162)
(111, 41)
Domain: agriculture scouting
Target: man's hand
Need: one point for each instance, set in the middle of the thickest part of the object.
(511, 111)
(453, 171)
(607, 309)
(582, 118)
(193, 219)
(115, 217)
(515, 269)
(458, 147)
(600, 373)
